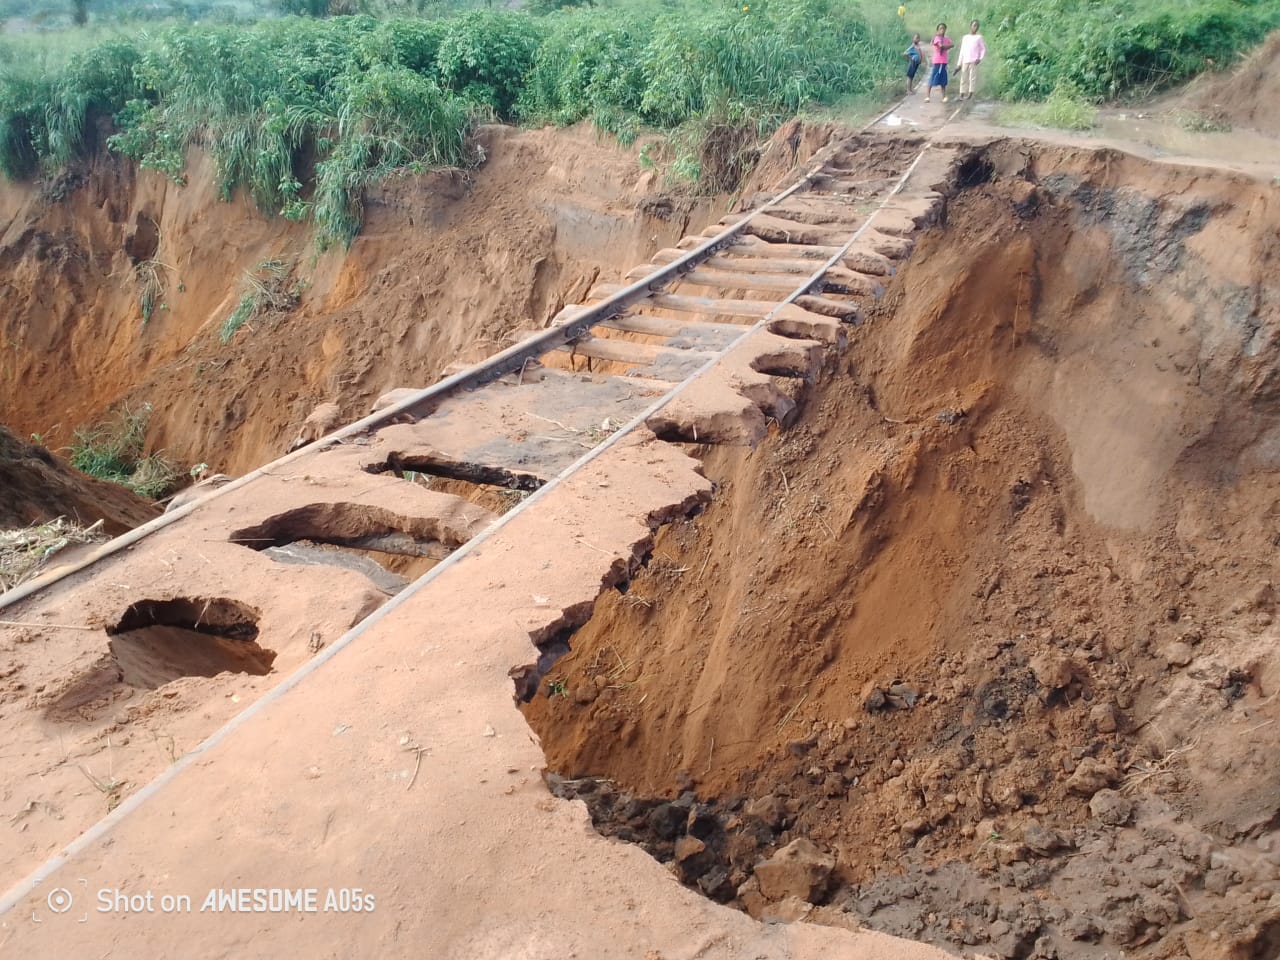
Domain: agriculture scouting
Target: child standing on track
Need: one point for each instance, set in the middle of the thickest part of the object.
(941, 51)
(913, 56)
(973, 49)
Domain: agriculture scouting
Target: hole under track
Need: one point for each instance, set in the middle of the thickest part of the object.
(492, 488)
(158, 641)
(387, 548)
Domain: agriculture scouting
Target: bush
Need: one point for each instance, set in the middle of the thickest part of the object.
(1112, 48)
(304, 114)
(733, 64)
(587, 68)
(389, 118)
(354, 97)
(485, 57)
(760, 61)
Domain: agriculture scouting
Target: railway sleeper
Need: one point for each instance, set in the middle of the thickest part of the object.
(748, 260)
(828, 215)
(850, 313)
(760, 247)
(795, 316)
(732, 404)
(432, 463)
(782, 230)
(655, 326)
(624, 351)
(729, 280)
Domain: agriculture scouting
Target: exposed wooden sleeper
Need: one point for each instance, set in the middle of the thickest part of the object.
(624, 351)
(655, 326)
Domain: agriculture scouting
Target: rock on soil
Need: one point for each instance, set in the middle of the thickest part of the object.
(1111, 807)
(798, 870)
(1091, 776)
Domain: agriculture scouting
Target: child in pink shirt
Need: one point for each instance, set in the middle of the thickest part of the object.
(973, 50)
(942, 45)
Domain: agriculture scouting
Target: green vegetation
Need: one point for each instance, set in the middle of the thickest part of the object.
(114, 451)
(1105, 49)
(1064, 108)
(54, 13)
(304, 112)
(268, 292)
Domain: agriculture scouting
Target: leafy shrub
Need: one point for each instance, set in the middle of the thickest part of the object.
(351, 96)
(486, 56)
(414, 44)
(587, 67)
(304, 114)
(763, 60)
(1111, 48)
(389, 118)
(549, 6)
(729, 64)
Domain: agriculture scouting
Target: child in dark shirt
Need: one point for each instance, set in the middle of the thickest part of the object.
(914, 57)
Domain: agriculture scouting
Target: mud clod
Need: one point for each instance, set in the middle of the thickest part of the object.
(798, 870)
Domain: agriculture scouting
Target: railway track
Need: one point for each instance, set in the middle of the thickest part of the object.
(705, 343)
(709, 342)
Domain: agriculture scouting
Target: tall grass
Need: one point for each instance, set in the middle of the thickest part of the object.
(1112, 48)
(114, 450)
(1064, 109)
(715, 76)
(756, 61)
(303, 114)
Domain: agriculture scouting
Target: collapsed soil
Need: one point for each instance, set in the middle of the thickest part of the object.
(994, 624)
(39, 486)
(449, 266)
(1245, 96)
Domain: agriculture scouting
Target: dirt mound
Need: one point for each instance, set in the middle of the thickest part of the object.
(792, 148)
(39, 486)
(1246, 96)
(993, 626)
(121, 287)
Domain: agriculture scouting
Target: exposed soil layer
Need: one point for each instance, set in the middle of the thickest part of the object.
(159, 641)
(40, 486)
(993, 624)
(446, 268)
(1245, 96)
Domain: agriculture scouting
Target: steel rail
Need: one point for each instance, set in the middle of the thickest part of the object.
(419, 404)
(15, 894)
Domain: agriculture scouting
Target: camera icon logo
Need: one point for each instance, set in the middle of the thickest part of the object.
(59, 900)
